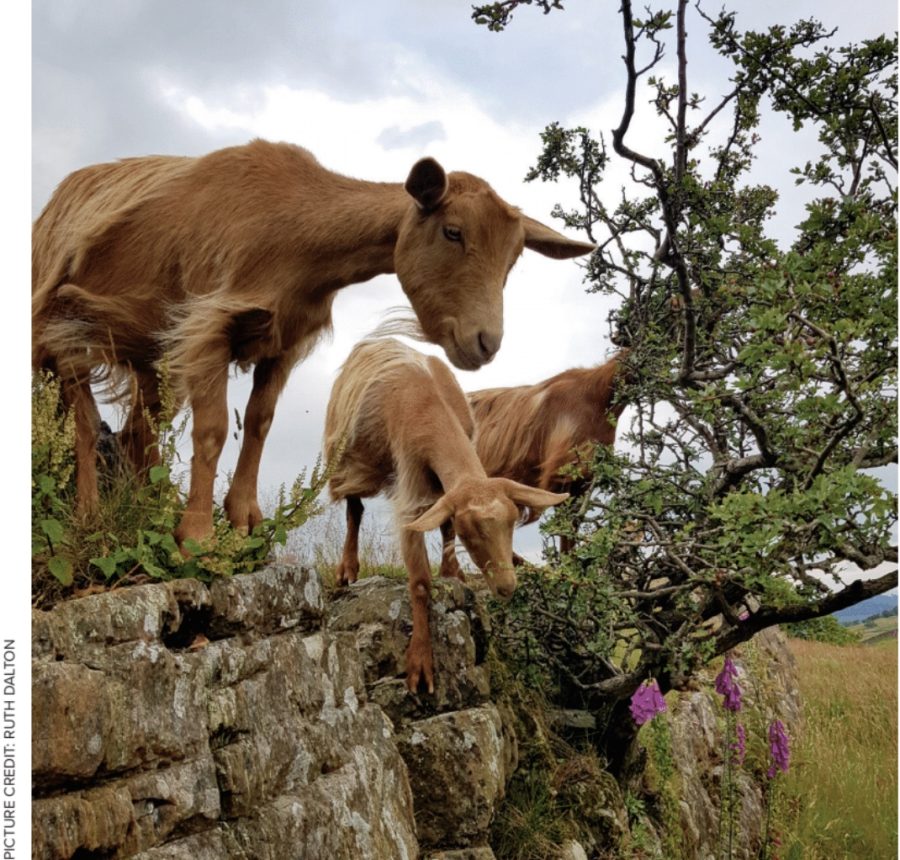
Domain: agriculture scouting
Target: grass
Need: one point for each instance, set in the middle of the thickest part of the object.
(320, 542)
(840, 795)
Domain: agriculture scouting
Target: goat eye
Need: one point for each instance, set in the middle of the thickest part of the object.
(454, 234)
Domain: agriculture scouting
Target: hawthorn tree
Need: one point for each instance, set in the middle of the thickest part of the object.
(751, 487)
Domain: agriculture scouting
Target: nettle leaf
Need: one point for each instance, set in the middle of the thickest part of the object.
(193, 547)
(153, 569)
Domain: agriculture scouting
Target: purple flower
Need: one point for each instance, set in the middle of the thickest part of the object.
(726, 685)
(739, 747)
(647, 702)
(778, 748)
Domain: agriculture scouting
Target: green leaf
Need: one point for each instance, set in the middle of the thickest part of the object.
(154, 569)
(61, 568)
(53, 529)
(193, 547)
(106, 564)
(158, 473)
(47, 484)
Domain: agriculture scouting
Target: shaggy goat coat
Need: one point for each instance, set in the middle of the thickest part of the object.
(531, 433)
(398, 422)
(236, 257)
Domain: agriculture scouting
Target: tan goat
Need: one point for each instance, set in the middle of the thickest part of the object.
(397, 421)
(236, 256)
(531, 432)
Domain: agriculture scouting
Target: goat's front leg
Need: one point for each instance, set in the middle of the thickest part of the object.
(210, 412)
(419, 658)
(348, 569)
(269, 378)
(449, 563)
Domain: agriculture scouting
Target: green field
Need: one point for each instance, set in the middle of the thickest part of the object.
(877, 631)
(840, 795)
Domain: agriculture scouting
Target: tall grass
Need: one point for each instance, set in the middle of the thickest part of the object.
(841, 792)
(320, 542)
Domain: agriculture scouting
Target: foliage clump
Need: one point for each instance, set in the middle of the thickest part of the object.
(749, 486)
(130, 538)
(826, 629)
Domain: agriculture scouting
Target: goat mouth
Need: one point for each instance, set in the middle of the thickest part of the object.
(462, 358)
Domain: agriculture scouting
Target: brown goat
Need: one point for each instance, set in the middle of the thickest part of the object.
(236, 256)
(530, 432)
(397, 421)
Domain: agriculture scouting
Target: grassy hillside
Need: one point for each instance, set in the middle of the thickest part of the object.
(877, 631)
(841, 792)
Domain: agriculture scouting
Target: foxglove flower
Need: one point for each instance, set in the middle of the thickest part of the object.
(779, 749)
(727, 686)
(739, 747)
(647, 702)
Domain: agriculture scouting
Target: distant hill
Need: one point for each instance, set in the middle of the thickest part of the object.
(866, 609)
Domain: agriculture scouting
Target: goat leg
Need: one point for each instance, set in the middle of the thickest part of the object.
(419, 657)
(269, 378)
(139, 435)
(347, 570)
(78, 397)
(210, 410)
(449, 563)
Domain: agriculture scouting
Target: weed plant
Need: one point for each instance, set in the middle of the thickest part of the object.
(129, 539)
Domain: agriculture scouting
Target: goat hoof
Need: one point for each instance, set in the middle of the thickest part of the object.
(346, 573)
(193, 526)
(419, 668)
(243, 516)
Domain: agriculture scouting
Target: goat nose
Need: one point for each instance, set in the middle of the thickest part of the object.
(488, 343)
(505, 589)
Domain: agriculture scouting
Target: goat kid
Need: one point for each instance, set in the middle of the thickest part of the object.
(236, 256)
(397, 421)
(530, 433)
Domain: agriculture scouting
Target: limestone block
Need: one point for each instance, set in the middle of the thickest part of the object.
(459, 764)
(377, 611)
(481, 852)
(126, 815)
(362, 809)
(276, 598)
(135, 705)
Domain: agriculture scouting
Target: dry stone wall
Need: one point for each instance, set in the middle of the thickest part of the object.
(255, 720)
(250, 719)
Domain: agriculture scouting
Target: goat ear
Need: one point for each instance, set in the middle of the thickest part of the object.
(533, 497)
(427, 183)
(438, 513)
(541, 238)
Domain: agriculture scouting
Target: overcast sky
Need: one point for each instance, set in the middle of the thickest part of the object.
(370, 87)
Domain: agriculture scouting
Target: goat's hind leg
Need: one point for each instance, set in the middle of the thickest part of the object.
(78, 397)
(139, 435)
(348, 569)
